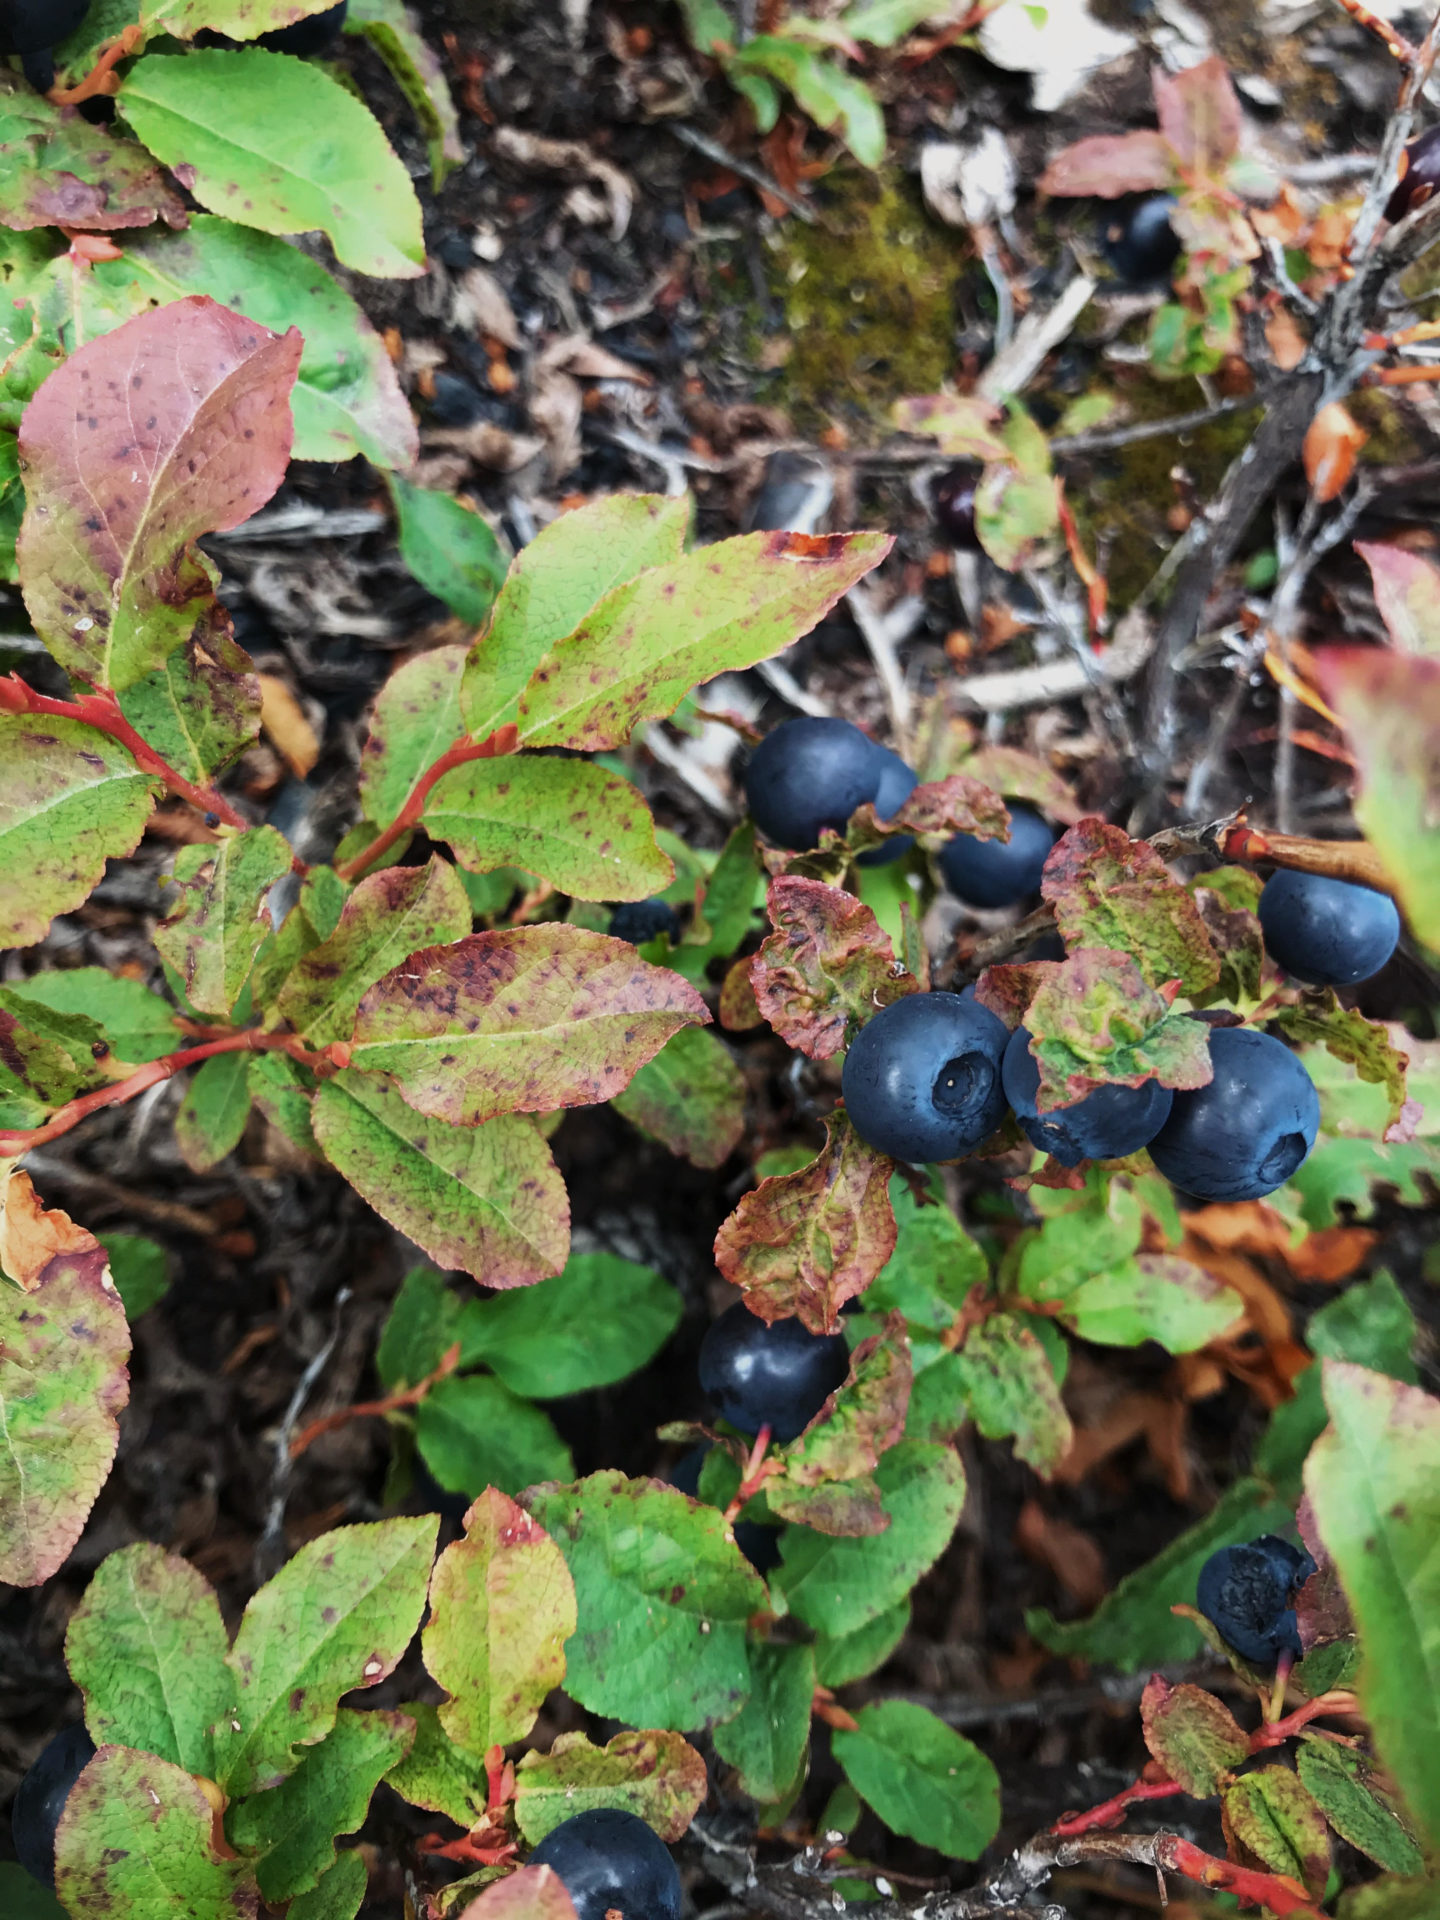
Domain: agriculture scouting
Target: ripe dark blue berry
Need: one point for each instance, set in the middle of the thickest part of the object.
(40, 1800)
(1419, 175)
(896, 784)
(1248, 1593)
(640, 920)
(1245, 1133)
(611, 1862)
(777, 1376)
(922, 1079)
(813, 773)
(33, 28)
(1105, 1125)
(998, 873)
(954, 497)
(1328, 933)
(1140, 244)
(307, 37)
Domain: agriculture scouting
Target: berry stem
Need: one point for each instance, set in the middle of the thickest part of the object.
(1111, 1812)
(101, 710)
(362, 1409)
(756, 1471)
(502, 741)
(102, 77)
(1352, 860)
(252, 1040)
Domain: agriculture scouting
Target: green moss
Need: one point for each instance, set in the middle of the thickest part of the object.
(867, 299)
(1391, 426)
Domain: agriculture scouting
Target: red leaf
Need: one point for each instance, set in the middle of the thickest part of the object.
(1111, 164)
(1199, 116)
(1111, 891)
(826, 968)
(1407, 592)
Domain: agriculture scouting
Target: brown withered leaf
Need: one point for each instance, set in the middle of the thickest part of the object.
(804, 1243)
(1108, 890)
(31, 1235)
(1019, 775)
(738, 1009)
(960, 803)
(826, 968)
(1110, 164)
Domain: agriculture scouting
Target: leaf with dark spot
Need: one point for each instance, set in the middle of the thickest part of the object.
(827, 967)
(56, 170)
(1111, 891)
(1094, 1022)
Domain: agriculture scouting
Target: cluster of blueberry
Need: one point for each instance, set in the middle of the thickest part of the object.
(929, 1077)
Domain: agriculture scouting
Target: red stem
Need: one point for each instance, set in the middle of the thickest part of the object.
(501, 741)
(392, 1403)
(756, 1472)
(1111, 1812)
(252, 1040)
(102, 711)
(1275, 1891)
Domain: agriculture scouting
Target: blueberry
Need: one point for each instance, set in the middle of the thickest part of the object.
(640, 920)
(33, 28)
(954, 498)
(1105, 1125)
(777, 1376)
(611, 1862)
(1328, 933)
(998, 873)
(897, 782)
(684, 1476)
(1245, 1133)
(759, 1544)
(922, 1079)
(813, 773)
(40, 1800)
(1141, 245)
(306, 37)
(1248, 1593)
(1419, 175)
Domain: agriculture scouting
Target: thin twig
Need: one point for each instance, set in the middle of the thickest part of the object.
(1110, 440)
(368, 1409)
(747, 170)
(272, 1541)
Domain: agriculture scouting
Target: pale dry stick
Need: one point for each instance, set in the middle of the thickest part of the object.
(875, 632)
(270, 1547)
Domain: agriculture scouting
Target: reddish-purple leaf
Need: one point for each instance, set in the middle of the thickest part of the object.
(826, 968)
(175, 425)
(1110, 164)
(1019, 775)
(1111, 891)
(56, 170)
(1199, 117)
(534, 1893)
(1094, 1022)
(960, 803)
(863, 1419)
(1196, 1738)
(522, 1020)
(1007, 990)
(804, 1243)
(1407, 592)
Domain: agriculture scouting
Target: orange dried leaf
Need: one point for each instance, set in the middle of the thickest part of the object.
(1331, 444)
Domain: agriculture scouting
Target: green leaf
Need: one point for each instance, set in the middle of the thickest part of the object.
(140, 1270)
(659, 1777)
(1010, 1389)
(1343, 1783)
(243, 125)
(416, 717)
(646, 644)
(63, 1349)
(215, 928)
(70, 799)
(690, 1097)
(1194, 1737)
(1390, 1898)
(58, 170)
(46, 1058)
(768, 1740)
(663, 1596)
(935, 1263)
(347, 397)
(1373, 1479)
(728, 909)
(708, 26)
(423, 1325)
(836, 100)
(135, 1839)
(292, 1828)
(284, 1091)
(600, 1320)
(554, 582)
(883, 22)
(475, 1433)
(1155, 1296)
(569, 821)
(213, 1113)
(804, 1243)
(1349, 1036)
(1345, 1173)
(23, 1896)
(836, 1585)
(922, 1778)
(336, 1617)
(201, 705)
(146, 1647)
(1370, 1323)
(390, 28)
(450, 550)
(863, 1419)
(1111, 891)
(339, 1893)
(525, 1019)
(437, 1774)
(180, 20)
(1094, 1022)
(502, 1606)
(841, 1658)
(1389, 704)
(113, 579)
(1272, 1816)
(489, 1199)
(390, 915)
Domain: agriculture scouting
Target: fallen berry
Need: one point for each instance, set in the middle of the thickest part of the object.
(1328, 933)
(1245, 1133)
(998, 873)
(611, 1862)
(1104, 1125)
(777, 1376)
(40, 1799)
(1248, 1594)
(922, 1079)
(954, 498)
